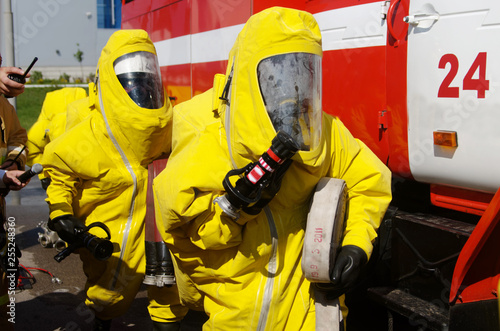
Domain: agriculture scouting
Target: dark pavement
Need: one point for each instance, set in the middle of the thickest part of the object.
(45, 305)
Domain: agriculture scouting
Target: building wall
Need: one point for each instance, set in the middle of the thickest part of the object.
(54, 31)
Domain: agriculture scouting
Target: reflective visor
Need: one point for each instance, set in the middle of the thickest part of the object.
(139, 74)
(290, 85)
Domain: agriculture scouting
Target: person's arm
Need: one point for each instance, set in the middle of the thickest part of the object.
(37, 140)
(64, 184)
(16, 141)
(2, 173)
(369, 193)
(192, 211)
(368, 182)
(8, 87)
(60, 193)
(10, 180)
(38, 137)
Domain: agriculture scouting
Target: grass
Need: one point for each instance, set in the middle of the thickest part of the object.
(29, 104)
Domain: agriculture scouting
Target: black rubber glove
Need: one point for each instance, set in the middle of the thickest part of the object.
(66, 227)
(271, 190)
(347, 269)
(45, 183)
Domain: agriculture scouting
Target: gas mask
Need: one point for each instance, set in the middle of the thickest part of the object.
(139, 75)
(290, 85)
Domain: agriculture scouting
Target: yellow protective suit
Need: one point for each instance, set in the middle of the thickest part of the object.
(77, 111)
(51, 122)
(13, 142)
(247, 274)
(99, 173)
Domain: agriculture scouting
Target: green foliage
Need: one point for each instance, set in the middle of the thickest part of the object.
(79, 57)
(29, 104)
(36, 77)
(64, 78)
(79, 54)
(91, 78)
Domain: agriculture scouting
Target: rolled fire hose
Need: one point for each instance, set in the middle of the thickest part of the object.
(323, 237)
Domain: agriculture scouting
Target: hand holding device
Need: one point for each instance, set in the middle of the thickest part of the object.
(347, 269)
(258, 177)
(36, 169)
(22, 78)
(76, 234)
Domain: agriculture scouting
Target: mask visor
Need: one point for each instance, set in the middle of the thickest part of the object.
(139, 74)
(290, 85)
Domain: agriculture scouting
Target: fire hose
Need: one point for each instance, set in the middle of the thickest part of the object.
(323, 237)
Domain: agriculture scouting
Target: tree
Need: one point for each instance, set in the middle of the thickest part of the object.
(79, 57)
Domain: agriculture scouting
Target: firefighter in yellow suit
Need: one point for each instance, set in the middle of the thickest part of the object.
(244, 270)
(77, 111)
(98, 173)
(51, 123)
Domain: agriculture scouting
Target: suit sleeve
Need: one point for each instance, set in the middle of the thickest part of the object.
(67, 164)
(369, 187)
(64, 182)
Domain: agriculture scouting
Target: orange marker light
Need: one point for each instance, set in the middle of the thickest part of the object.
(445, 138)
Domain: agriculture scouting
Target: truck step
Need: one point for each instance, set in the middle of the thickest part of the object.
(419, 312)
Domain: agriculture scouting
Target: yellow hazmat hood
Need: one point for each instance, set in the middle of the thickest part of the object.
(140, 132)
(273, 31)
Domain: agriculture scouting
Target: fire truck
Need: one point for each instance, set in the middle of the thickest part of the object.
(415, 80)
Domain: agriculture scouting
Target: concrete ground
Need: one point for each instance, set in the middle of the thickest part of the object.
(44, 305)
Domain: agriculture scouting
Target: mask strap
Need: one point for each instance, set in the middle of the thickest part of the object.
(225, 92)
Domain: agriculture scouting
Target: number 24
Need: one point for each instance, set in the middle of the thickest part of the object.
(480, 84)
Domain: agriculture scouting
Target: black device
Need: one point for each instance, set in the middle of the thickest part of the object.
(248, 189)
(101, 248)
(36, 169)
(22, 78)
(159, 265)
